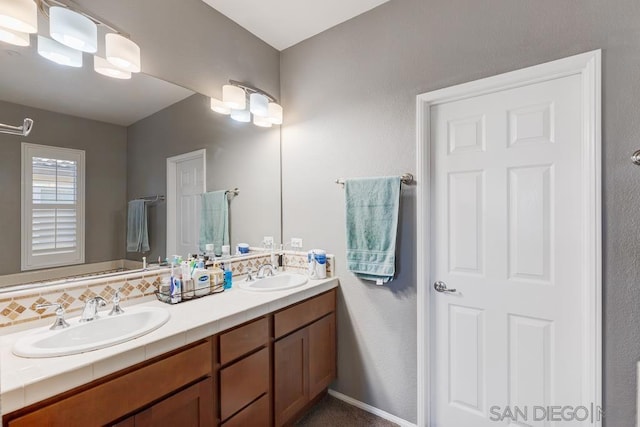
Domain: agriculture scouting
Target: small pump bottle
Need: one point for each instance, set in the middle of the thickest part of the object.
(226, 266)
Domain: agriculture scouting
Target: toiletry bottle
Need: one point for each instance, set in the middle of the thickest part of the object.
(226, 266)
(187, 282)
(201, 282)
(317, 264)
(175, 288)
(216, 275)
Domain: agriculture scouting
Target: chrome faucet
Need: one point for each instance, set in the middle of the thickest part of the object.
(90, 311)
(261, 271)
(116, 304)
(59, 323)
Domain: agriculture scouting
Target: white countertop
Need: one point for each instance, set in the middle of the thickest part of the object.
(25, 381)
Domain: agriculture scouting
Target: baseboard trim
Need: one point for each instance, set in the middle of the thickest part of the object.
(371, 409)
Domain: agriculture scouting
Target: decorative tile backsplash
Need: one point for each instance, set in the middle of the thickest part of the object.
(297, 262)
(19, 306)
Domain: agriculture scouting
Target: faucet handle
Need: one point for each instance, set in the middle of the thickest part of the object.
(59, 323)
(116, 304)
(100, 301)
(250, 276)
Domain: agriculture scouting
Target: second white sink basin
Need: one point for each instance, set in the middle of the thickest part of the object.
(96, 334)
(279, 282)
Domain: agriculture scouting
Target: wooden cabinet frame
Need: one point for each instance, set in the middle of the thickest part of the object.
(289, 353)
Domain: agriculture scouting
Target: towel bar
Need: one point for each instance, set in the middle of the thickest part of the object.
(233, 192)
(405, 178)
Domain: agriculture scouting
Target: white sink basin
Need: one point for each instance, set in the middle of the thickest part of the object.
(279, 282)
(100, 333)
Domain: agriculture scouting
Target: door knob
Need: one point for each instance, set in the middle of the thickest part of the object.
(442, 287)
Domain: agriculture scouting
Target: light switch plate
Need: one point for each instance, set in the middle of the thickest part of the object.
(267, 241)
(296, 242)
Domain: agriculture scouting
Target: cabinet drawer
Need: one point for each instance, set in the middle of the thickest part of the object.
(103, 401)
(301, 314)
(243, 382)
(243, 340)
(254, 415)
(191, 407)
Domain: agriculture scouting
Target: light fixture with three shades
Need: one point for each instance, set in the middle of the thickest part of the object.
(73, 32)
(243, 102)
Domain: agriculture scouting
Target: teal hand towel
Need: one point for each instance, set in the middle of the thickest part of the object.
(372, 206)
(137, 230)
(214, 220)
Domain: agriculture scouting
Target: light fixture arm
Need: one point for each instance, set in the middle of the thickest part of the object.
(251, 89)
(23, 130)
(44, 4)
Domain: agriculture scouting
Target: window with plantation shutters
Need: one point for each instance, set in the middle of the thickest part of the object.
(52, 206)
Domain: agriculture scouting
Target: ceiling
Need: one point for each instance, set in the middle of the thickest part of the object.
(283, 23)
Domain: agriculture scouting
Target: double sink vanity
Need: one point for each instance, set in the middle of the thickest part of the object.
(258, 354)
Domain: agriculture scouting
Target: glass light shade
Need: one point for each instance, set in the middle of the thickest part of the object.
(234, 97)
(243, 116)
(72, 29)
(19, 15)
(263, 122)
(15, 38)
(259, 105)
(219, 106)
(275, 113)
(106, 68)
(59, 53)
(122, 52)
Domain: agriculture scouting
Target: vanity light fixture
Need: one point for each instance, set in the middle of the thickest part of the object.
(59, 53)
(242, 116)
(219, 107)
(73, 32)
(259, 104)
(106, 68)
(234, 97)
(263, 122)
(263, 107)
(73, 29)
(122, 52)
(275, 113)
(19, 15)
(15, 38)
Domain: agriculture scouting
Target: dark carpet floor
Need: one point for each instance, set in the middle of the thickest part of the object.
(331, 412)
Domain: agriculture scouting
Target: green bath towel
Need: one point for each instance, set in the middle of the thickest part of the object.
(214, 220)
(137, 231)
(372, 222)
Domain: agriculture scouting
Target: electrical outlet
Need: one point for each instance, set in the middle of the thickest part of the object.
(267, 241)
(296, 242)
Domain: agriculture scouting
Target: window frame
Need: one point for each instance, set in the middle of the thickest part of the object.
(28, 261)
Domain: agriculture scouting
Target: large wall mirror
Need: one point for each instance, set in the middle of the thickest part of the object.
(127, 130)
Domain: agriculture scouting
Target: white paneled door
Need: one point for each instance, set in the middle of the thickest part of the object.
(189, 190)
(185, 185)
(507, 256)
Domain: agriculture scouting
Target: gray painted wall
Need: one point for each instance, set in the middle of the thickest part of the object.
(238, 155)
(189, 43)
(349, 94)
(106, 175)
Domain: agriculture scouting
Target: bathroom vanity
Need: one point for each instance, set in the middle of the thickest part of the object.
(234, 359)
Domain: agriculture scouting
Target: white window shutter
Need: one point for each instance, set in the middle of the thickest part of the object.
(53, 206)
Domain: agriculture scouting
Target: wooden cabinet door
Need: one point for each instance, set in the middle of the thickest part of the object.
(291, 376)
(322, 354)
(192, 407)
